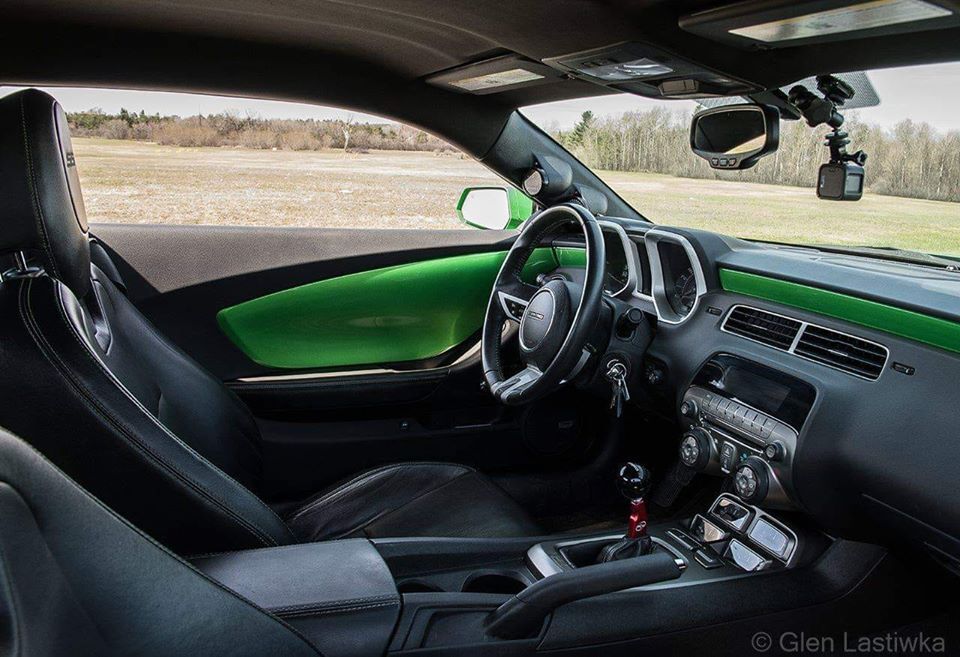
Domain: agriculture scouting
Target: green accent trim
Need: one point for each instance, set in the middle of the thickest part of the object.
(402, 313)
(882, 317)
(571, 256)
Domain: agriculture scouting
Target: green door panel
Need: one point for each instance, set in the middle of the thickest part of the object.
(402, 313)
(882, 317)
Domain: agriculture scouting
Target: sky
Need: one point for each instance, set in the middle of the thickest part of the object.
(922, 93)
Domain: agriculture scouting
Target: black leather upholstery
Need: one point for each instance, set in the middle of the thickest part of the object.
(437, 499)
(339, 594)
(40, 196)
(89, 381)
(76, 579)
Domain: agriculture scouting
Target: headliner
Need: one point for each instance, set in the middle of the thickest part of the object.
(372, 55)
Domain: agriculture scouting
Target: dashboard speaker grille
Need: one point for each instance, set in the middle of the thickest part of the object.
(845, 352)
(768, 328)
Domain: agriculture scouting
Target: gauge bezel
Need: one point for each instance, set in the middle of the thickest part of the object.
(658, 291)
(631, 255)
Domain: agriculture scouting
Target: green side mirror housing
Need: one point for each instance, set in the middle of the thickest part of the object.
(494, 207)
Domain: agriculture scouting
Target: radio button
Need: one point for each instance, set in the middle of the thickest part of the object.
(728, 457)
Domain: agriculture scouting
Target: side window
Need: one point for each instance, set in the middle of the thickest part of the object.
(165, 158)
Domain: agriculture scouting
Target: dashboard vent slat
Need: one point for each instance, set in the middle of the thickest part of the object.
(841, 351)
(845, 352)
(768, 328)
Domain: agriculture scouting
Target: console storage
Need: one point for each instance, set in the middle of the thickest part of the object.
(340, 594)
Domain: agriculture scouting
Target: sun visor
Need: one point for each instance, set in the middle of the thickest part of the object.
(765, 24)
(496, 75)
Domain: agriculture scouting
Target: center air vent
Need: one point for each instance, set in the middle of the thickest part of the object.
(774, 330)
(845, 352)
(841, 351)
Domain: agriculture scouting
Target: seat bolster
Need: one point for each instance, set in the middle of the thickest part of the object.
(79, 415)
(412, 499)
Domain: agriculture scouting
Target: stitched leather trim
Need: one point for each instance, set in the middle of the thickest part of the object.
(337, 605)
(15, 620)
(37, 207)
(49, 352)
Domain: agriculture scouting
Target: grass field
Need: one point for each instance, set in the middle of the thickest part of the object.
(136, 182)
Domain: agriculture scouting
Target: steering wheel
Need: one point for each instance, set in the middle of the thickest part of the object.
(557, 317)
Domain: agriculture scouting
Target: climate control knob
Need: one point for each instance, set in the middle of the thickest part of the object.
(750, 480)
(695, 449)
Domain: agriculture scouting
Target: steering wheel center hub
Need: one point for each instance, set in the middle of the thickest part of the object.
(545, 322)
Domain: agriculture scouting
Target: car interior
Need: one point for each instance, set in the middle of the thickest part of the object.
(576, 433)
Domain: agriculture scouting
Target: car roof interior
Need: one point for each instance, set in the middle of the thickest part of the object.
(386, 57)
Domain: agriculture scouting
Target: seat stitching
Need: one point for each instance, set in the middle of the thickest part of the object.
(140, 446)
(37, 208)
(8, 581)
(363, 478)
(162, 548)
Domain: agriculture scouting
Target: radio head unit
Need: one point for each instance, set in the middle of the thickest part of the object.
(744, 419)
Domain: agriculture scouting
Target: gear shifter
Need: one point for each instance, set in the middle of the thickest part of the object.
(634, 483)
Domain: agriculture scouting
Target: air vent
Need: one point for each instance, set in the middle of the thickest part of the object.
(844, 352)
(841, 351)
(770, 329)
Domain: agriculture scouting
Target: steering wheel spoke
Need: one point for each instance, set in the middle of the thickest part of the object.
(516, 384)
(514, 297)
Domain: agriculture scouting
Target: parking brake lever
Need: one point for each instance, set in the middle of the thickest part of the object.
(523, 615)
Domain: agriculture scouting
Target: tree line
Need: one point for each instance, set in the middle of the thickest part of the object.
(230, 129)
(911, 159)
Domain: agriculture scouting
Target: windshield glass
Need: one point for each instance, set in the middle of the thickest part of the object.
(640, 147)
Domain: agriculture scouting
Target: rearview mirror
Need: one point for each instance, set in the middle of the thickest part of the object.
(735, 136)
(493, 208)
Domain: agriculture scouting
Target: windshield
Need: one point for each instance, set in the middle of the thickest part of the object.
(640, 147)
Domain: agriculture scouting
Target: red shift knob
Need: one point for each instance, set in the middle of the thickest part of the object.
(637, 526)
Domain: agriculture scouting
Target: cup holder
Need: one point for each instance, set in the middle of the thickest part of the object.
(503, 583)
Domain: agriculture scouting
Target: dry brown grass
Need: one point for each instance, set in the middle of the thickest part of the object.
(138, 182)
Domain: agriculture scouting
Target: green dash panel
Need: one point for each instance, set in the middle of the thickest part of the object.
(406, 312)
(882, 317)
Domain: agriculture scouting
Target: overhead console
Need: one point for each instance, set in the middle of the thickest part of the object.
(743, 419)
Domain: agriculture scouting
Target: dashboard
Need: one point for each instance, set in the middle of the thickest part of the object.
(832, 376)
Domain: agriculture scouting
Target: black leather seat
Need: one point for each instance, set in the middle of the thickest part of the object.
(76, 579)
(151, 433)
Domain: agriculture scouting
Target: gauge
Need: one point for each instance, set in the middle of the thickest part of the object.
(616, 268)
(684, 292)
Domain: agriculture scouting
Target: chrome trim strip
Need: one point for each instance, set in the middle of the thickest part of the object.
(658, 288)
(503, 297)
(631, 255)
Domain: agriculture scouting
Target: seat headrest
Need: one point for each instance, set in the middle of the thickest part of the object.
(41, 209)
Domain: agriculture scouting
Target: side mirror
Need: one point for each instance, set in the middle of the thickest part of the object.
(493, 208)
(735, 136)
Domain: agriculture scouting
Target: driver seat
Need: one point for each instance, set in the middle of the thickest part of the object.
(90, 382)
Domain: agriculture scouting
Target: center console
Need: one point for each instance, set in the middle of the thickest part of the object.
(743, 419)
